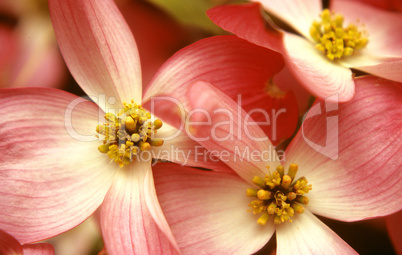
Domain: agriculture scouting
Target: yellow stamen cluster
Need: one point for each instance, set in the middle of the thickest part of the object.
(128, 133)
(334, 40)
(279, 195)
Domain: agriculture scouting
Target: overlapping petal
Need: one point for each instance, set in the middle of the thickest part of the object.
(52, 176)
(352, 156)
(128, 226)
(221, 126)
(232, 64)
(179, 148)
(207, 211)
(98, 48)
(298, 14)
(238, 19)
(319, 75)
(308, 235)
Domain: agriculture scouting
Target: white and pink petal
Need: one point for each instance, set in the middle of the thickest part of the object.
(308, 235)
(224, 128)
(351, 153)
(131, 221)
(99, 49)
(322, 77)
(207, 211)
(52, 176)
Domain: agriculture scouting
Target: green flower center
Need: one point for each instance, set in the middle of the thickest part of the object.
(128, 133)
(279, 195)
(334, 40)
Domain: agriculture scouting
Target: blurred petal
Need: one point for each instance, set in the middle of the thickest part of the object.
(384, 28)
(8, 49)
(216, 60)
(219, 124)
(315, 72)
(38, 249)
(247, 22)
(352, 156)
(207, 211)
(98, 48)
(308, 235)
(394, 226)
(8, 244)
(127, 224)
(38, 62)
(299, 14)
(179, 148)
(52, 176)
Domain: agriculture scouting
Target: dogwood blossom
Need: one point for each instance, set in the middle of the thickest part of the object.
(350, 177)
(367, 40)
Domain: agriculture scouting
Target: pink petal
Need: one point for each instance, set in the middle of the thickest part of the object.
(299, 14)
(207, 211)
(394, 226)
(128, 226)
(384, 27)
(232, 64)
(219, 124)
(98, 48)
(315, 72)
(247, 22)
(8, 244)
(179, 148)
(352, 156)
(308, 235)
(38, 249)
(52, 176)
(277, 115)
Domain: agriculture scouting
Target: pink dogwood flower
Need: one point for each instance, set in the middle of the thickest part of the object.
(10, 246)
(348, 35)
(349, 161)
(54, 172)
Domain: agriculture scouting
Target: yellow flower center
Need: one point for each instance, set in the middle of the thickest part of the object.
(128, 133)
(279, 195)
(333, 39)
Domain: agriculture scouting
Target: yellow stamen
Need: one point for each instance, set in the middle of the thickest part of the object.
(128, 133)
(281, 197)
(334, 40)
